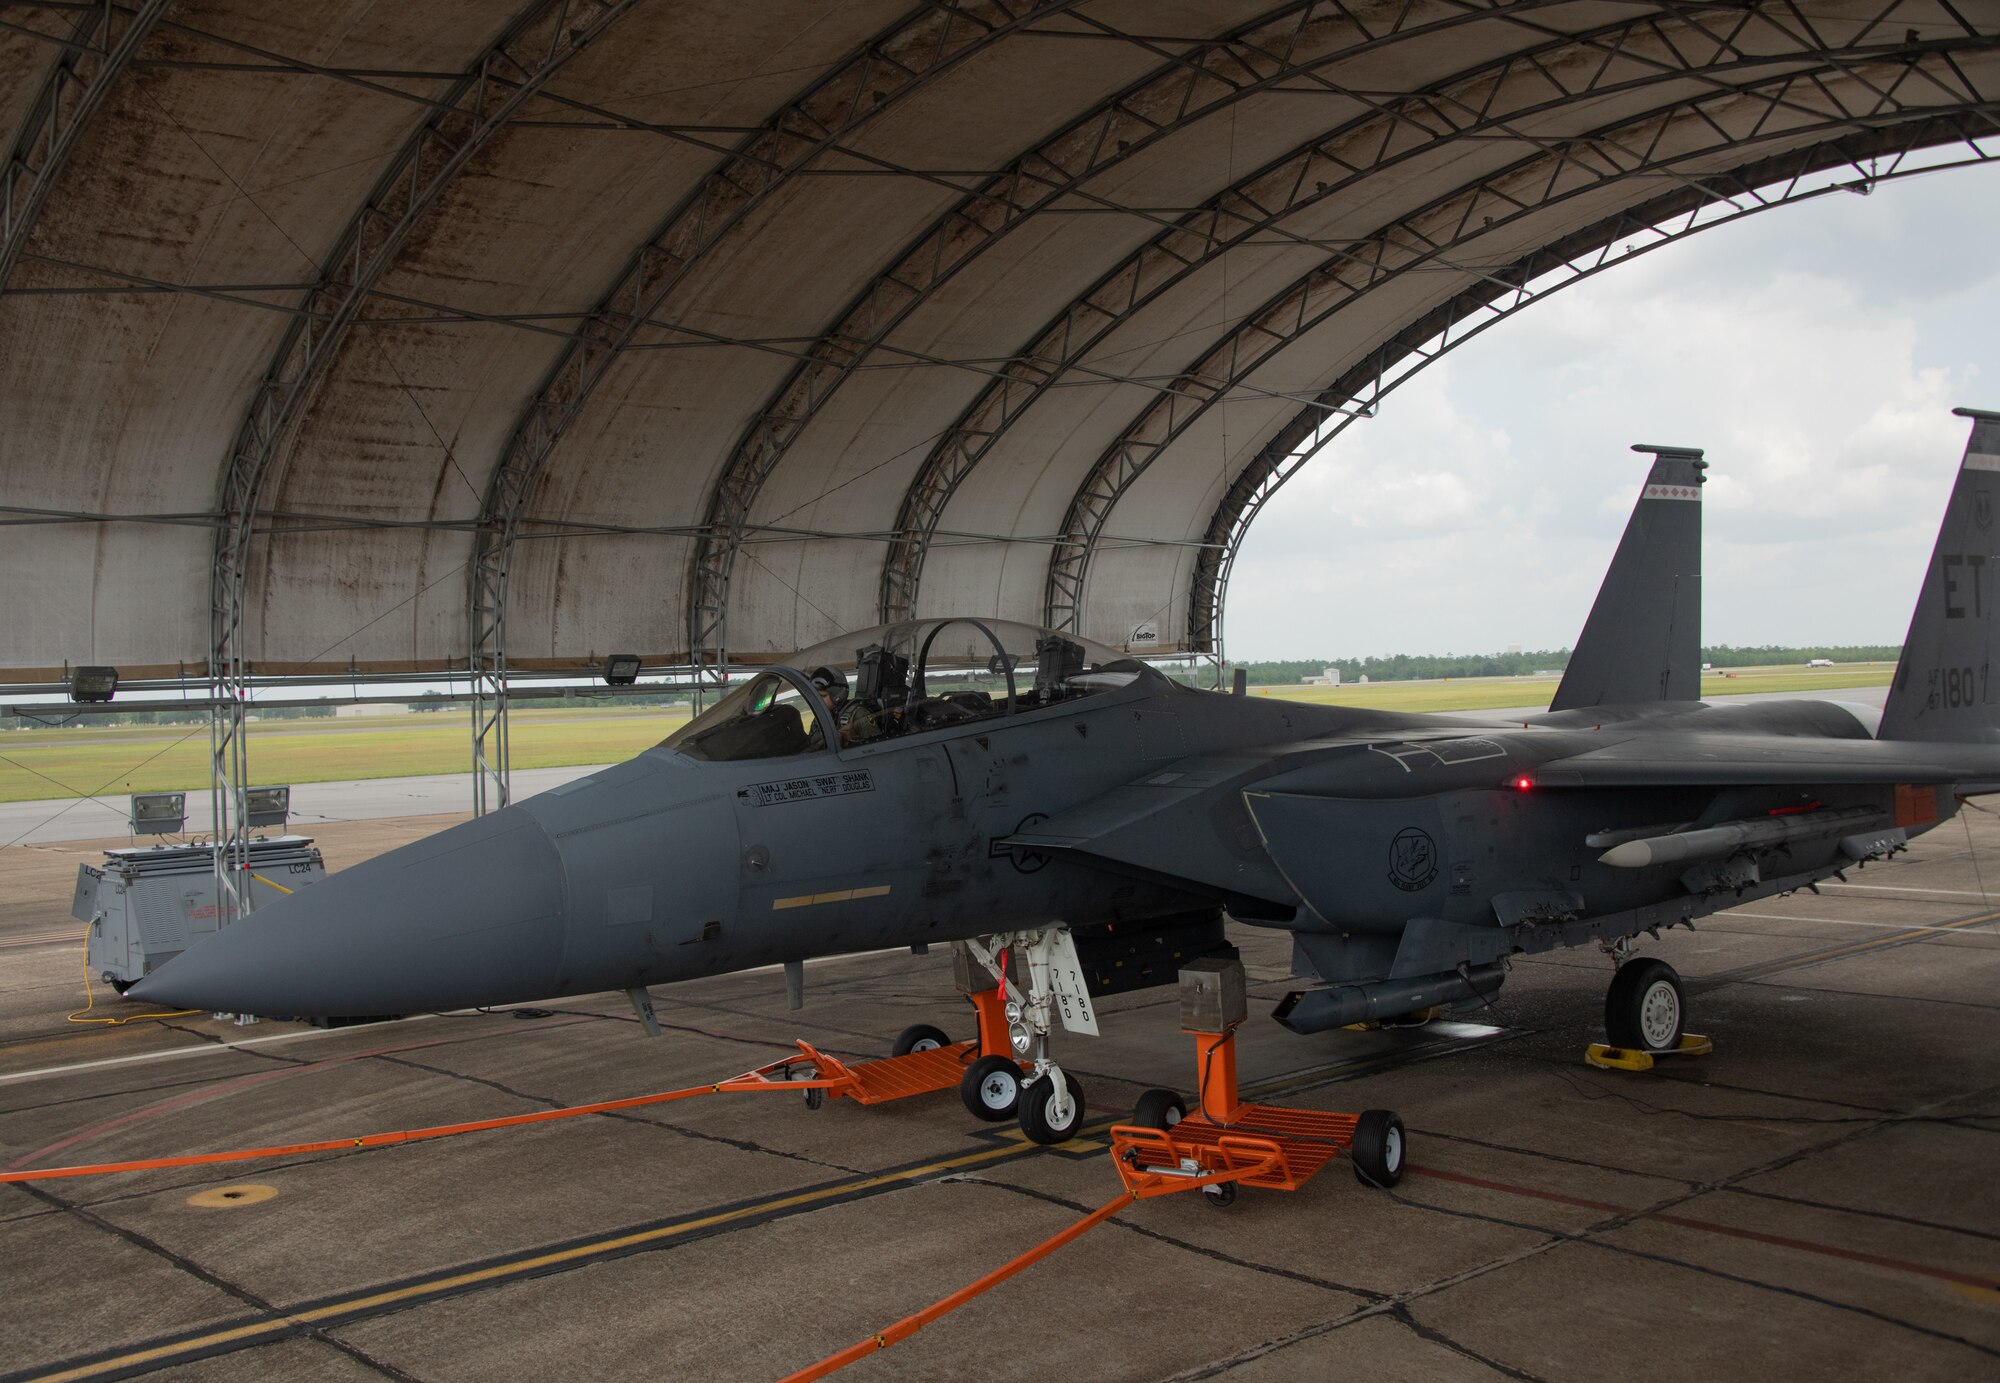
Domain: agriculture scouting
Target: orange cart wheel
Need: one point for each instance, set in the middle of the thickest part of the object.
(920, 1037)
(1379, 1149)
(991, 1088)
(1160, 1109)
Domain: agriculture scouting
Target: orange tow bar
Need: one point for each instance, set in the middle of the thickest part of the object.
(864, 1082)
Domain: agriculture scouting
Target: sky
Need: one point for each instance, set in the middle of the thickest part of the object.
(1815, 351)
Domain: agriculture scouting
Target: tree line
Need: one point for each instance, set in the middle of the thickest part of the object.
(1405, 667)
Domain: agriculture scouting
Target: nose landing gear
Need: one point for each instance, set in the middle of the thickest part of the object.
(1048, 1101)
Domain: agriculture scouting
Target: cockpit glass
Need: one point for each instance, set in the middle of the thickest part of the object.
(767, 717)
(918, 675)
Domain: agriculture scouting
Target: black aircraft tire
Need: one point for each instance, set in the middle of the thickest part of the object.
(1036, 1120)
(991, 1088)
(1645, 1007)
(1160, 1109)
(920, 1037)
(1380, 1149)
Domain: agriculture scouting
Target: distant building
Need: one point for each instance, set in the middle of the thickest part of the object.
(1330, 677)
(347, 709)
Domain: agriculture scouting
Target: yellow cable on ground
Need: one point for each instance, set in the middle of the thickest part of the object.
(90, 999)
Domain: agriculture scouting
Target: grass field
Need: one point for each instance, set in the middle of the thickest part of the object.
(1488, 693)
(164, 758)
(74, 761)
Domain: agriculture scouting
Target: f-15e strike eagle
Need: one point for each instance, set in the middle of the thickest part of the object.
(1029, 793)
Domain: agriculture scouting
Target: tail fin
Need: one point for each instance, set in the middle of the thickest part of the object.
(1642, 641)
(1943, 688)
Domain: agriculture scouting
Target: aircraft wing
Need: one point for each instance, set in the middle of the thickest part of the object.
(1726, 760)
(1181, 821)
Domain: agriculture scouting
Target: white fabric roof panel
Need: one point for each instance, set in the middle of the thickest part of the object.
(799, 156)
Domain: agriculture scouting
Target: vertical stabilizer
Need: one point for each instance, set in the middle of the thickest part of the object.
(1642, 641)
(1943, 690)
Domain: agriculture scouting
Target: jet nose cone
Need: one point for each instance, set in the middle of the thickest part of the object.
(472, 915)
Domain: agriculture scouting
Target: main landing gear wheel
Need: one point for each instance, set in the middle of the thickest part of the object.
(922, 1037)
(1039, 1119)
(1160, 1109)
(1645, 1007)
(991, 1088)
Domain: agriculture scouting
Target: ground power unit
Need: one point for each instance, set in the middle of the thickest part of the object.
(150, 903)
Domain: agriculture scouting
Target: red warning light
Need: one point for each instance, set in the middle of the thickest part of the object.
(1524, 782)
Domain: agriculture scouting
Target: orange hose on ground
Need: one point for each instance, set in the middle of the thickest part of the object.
(371, 1140)
(910, 1325)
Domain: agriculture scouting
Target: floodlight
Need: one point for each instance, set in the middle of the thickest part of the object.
(93, 683)
(621, 669)
(158, 813)
(266, 806)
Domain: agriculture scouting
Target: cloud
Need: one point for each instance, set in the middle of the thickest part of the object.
(1815, 352)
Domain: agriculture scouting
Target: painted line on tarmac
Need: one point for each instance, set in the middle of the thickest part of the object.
(1947, 928)
(1986, 897)
(197, 1049)
(1903, 937)
(214, 1048)
(348, 1308)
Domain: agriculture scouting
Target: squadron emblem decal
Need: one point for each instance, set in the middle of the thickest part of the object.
(1412, 859)
(1025, 859)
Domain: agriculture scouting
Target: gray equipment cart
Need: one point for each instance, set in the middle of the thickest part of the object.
(150, 903)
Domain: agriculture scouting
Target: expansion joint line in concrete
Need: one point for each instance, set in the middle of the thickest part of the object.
(624, 1117)
(181, 1263)
(1622, 1217)
(1406, 1318)
(1199, 1250)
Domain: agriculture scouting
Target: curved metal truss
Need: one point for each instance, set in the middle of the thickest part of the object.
(545, 36)
(1883, 93)
(99, 48)
(1850, 165)
(926, 43)
(1487, 102)
(1289, 43)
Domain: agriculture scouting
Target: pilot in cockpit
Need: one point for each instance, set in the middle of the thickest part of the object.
(857, 721)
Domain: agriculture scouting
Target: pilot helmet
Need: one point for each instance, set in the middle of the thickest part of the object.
(829, 683)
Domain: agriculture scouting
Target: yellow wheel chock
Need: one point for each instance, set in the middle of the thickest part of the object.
(1611, 1058)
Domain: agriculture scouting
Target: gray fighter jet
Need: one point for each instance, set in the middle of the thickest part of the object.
(1030, 794)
